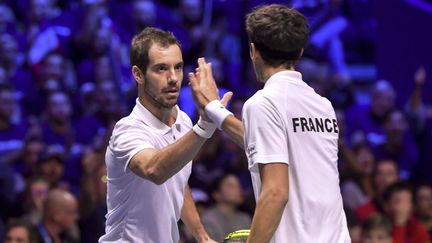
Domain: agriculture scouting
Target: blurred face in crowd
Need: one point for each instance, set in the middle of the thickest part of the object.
(163, 77)
(424, 201)
(365, 159)
(7, 104)
(9, 49)
(59, 108)
(383, 100)
(377, 235)
(144, 12)
(191, 10)
(396, 124)
(386, 174)
(17, 234)
(102, 41)
(40, 9)
(5, 16)
(38, 193)
(230, 191)
(32, 152)
(61, 207)
(400, 203)
(106, 96)
(69, 214)
(103, 70)
(52, 170)
(53, 67)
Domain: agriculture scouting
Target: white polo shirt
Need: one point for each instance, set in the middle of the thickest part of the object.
(287, 122)
(138, 209)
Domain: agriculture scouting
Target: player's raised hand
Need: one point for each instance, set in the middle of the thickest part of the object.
(203, 85)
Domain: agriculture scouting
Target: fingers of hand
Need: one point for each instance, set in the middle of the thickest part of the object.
(202, 68)
(193, 81)
(226, 98)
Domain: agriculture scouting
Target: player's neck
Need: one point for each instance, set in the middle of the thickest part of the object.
(165, 115)
(268, 71)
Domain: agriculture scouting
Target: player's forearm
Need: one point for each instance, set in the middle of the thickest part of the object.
(268, 213)
(234, 128)
(168, 161)
(190, 217)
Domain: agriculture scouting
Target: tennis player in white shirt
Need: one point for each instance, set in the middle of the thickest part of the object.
(150, 151)
(289, 133)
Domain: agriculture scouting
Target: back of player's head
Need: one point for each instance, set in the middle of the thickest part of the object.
(142, 42)
(279, 33)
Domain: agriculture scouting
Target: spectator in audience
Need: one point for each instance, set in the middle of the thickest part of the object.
(52, 168)
(370, 118)
(92, 198)
(359, 190)
(15, 72)
(32, 153)
(13, 129)
(398, 205)
(377, 229)
(399, 144)
(60, 215)
(57, 130)
(224, 217)
(423, 206)
(34, 199)
(385, 173)
(20, 232)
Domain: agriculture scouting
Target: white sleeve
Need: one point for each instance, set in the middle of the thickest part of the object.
(126, 141)
(265, 136)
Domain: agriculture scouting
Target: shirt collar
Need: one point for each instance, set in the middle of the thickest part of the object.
(148, 118)
(289, 75)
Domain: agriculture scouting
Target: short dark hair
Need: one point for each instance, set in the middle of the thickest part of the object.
(395, 188)
(142, 42)
(278, 33)
(17, 223)
(377, 221)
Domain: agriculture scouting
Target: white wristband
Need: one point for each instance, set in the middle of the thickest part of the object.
(217, 112)
(204, 129)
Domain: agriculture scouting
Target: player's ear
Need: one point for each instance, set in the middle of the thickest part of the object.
(138, 75)
(252, 51)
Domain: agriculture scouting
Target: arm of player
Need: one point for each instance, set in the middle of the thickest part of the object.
(191, 219)
(160, 165)
(234, 128)
(270, 203)
(204, 91)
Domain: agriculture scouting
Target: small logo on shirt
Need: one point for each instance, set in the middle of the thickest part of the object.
(251, 150)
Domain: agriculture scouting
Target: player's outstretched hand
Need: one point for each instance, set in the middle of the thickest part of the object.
(202, 84)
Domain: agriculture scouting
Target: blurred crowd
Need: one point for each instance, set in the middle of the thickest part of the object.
(65, 80)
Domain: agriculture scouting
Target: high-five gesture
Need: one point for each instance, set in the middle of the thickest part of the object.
(203, 85)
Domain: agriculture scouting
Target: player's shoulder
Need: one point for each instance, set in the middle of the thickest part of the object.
(259, 104)
(258, 99)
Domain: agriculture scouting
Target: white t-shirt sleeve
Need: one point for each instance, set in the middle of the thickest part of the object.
(265, 136)
(127, 141)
